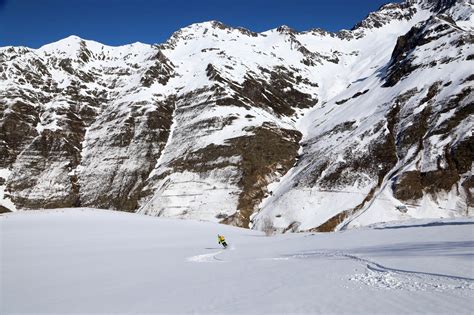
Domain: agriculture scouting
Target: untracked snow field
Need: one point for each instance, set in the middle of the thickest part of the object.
(95, 261)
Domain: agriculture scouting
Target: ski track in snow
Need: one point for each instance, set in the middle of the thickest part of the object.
(383, 277)
(376, 275)
(388, 278)
(105, 262)
(209, 258)
(206, 258)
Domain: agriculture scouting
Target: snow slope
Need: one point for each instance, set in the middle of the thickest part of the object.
(92, 261)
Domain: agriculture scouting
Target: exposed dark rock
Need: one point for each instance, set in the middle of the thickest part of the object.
(121, 186)
(264, 152)
(463, 155)
(415, 132)
(468, 186)
(66, 65)
(331, 224)
(161, 71)
(411, 185)
(408, 186)
(278, 94)
(439, 6)
(16, 131)
(469, 78)
(461, 112)
(342, 101)
(51, 147)
(402, 62)
(386, 14)
(356, 95)
(360, 93)
(293, 227)
(3, 209)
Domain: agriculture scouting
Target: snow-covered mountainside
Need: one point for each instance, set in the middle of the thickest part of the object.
(85, 261)
(279, 131)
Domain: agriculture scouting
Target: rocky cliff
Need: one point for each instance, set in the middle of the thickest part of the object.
(280, 130)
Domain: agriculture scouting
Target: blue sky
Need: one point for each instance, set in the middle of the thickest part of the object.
(34, 23)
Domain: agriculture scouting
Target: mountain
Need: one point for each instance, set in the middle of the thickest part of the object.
(278, 131)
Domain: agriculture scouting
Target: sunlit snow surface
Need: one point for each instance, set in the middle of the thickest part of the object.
(94, 261)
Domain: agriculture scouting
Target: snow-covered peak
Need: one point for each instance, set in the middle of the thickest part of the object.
(285, 29)
(15, 50)
(203, 125)
(69, 45)
(213, 30)
(386, 14)
(77, 48)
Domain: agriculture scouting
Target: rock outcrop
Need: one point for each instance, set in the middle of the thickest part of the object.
(279, 131)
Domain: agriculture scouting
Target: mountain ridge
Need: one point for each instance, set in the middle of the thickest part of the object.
(224, 124)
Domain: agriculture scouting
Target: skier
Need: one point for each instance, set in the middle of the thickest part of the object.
(221, 240)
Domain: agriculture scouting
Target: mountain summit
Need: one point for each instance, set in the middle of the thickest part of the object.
(279, 130)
